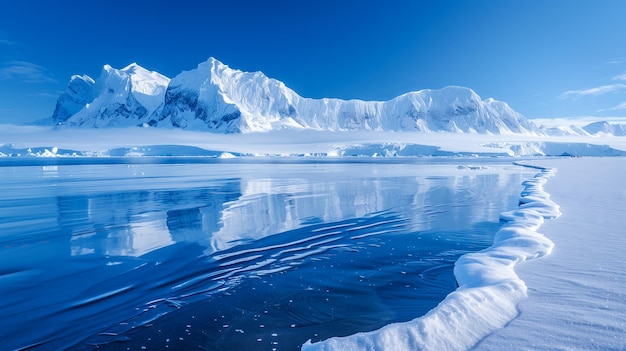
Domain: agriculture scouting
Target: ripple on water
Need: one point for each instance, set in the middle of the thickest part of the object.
(307, 285)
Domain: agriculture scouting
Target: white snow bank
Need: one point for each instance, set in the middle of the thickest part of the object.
(489, 289)
(577, 294)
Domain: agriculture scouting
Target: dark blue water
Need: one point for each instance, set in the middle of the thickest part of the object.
(233, 256)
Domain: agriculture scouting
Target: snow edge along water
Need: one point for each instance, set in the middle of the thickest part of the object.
(489, 289)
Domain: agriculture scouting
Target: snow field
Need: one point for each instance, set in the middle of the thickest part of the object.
(577, 294)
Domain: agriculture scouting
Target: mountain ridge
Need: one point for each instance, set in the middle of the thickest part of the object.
(216, 98)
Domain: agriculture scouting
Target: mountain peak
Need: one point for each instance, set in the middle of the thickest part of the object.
(215, 62)
(211, 64)
(84, 78)
(132, 67)
(119, 97)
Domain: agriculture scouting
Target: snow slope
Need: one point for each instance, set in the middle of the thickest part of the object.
(214, 97)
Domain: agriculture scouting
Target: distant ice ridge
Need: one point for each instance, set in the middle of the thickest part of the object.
(214, 97)
(488, 293)
(533, 148)
(605, 128)
(373, 149)
(600, 128)
(514, 149)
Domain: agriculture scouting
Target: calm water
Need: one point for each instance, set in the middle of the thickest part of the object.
(234, 256)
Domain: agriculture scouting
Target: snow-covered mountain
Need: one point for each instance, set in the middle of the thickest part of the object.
(214, 97)
(563, 130)
(596, 129)
(605, 128)
(125, 97)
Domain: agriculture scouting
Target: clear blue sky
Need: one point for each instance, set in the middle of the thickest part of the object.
(546, 58)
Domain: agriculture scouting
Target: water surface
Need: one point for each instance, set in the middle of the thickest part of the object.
(231, 256)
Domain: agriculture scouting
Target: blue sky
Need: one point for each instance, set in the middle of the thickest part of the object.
(545, 58)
